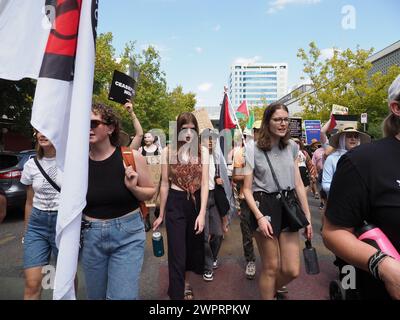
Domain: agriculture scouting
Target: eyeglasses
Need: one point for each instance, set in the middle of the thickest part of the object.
(280, 120)
(354, 135)
(95, 123)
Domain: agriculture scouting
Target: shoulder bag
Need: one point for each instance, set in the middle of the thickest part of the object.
(290, 205)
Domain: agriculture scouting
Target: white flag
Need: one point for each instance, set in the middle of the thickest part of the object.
(62, 104)
(24, 29)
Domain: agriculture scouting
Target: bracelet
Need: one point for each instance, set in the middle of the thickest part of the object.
(374, 261)
(268, 218)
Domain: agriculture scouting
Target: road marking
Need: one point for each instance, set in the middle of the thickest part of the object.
(7, 239)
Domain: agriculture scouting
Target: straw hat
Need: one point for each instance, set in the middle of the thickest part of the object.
(334, 140)
(257, 124)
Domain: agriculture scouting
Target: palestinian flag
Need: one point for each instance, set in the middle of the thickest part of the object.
(225, 119)
(251, 120)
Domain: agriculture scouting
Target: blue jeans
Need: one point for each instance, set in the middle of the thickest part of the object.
(112, 257)
(39, 239)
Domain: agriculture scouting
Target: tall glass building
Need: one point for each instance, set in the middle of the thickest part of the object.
(257, 83)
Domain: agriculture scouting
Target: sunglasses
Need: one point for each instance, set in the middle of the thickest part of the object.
(354, 135)
(95, 123)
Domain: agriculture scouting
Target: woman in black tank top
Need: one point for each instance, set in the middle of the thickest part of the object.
(113, 235)
(149, 148)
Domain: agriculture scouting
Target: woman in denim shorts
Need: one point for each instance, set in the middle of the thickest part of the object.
(40, 214)
(113, 237)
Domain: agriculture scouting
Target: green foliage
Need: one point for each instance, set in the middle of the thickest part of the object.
(16, 98)
(153, 104)
(345, 80)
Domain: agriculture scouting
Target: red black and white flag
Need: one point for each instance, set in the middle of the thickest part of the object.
(54, 41)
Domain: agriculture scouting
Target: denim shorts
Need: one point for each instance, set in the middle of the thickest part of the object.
(112, 257)
(39, 239)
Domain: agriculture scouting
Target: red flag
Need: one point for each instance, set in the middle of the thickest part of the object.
(332, 124)
(243, 109)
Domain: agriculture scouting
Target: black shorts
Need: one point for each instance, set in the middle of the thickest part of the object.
(270, 205)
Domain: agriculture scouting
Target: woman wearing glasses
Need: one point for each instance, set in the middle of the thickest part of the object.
(342, 141)
(113, 234)
(278, 246)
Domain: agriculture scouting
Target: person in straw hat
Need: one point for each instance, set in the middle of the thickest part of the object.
(366, 188)
(343, 141)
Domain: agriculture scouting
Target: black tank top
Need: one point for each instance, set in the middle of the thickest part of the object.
(145, 153)
(107, 195)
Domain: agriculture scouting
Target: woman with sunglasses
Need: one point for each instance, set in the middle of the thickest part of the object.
(113, 234)
(342, 141)
(42, 201)
(183, 203)
(278, 246)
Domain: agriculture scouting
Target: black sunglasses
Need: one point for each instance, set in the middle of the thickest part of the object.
(95, 123)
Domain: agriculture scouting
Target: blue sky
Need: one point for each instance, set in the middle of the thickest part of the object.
(199, 39)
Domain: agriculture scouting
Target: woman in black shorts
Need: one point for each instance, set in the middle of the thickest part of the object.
(279, 247)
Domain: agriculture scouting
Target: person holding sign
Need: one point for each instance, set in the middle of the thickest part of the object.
(137, 139)
(153, 157)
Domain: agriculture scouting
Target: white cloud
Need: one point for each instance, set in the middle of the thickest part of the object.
(247, 61)
(204, 87)
(217, 27)
(328, 53)
(276, 5)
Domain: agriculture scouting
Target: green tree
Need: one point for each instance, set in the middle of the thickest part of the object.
(345, 80)
(16, 98)
(153, 104)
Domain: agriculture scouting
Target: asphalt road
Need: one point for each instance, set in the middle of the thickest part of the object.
(229, 281)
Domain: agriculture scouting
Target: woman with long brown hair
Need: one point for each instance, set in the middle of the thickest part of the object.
(278, 246)
(184, 195)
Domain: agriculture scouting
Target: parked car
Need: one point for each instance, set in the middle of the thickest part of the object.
(11, 165)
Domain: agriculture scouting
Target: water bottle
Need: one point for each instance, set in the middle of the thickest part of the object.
(374, 236)
(310, 259)
(158, 244)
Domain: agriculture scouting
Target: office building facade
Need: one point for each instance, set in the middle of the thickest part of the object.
(257, 83)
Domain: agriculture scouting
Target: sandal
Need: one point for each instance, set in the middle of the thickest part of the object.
(188, 293)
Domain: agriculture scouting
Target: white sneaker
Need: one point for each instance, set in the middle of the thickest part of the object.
(250, 270)
(208, 276)
(283, 289)
(215, 264)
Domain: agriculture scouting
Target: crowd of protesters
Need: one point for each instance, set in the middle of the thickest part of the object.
(354, 179)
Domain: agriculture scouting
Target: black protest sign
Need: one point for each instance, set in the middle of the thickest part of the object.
(122, 88)
(295, 127)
